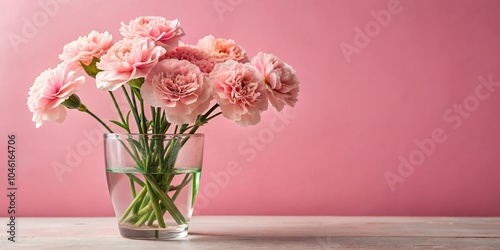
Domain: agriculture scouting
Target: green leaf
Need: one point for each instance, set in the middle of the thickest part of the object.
(127, 121)
(148, 124)
(136, 144)
(119, 124)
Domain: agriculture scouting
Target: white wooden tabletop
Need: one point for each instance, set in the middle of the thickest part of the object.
(267, 232)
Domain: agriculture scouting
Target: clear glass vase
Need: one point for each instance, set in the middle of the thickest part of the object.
(153, 182)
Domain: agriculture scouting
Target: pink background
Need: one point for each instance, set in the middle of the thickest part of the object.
(358, 115)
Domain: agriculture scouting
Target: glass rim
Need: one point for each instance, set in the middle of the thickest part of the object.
(107, 135)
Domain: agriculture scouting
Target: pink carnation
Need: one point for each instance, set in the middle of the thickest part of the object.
(85, 48)
(240, 91)
(164, 32)
(126, 60)
(51, 89)
(281, 80)
(222, 49)
(180, 88)
(194, 55)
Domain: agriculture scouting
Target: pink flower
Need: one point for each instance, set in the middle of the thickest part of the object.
(164, 32)
(126, 60)
(84, 49)
(240, 91)
(194, 55)
(180, 88)
(281, 80)
(50, 89)
(222, 49)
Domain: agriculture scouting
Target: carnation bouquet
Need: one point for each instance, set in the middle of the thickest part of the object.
(172, 89)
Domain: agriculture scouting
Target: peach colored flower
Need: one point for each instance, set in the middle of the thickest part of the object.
(281, 80)
(222, 49)
(126, 60)
(85, 48)
(240, 91)
(50, 90)
(164, 32)
(194, 55)
(180, 88)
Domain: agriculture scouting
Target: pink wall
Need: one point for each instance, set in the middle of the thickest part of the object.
(383, 83)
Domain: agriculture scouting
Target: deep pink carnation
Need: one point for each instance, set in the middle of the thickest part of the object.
(180, 88)
(164, 32)
(194, 55)
(85, 48)
(240, 91)
(51, 89)
(126, 60)
(222, 49)
(281, 80)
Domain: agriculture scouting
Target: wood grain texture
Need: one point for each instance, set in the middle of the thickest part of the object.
(268, 232)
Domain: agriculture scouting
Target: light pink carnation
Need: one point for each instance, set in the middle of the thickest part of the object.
(164, 32)
(85, 48)
(51, 89)
(126, 60)
(281, 80)
(240, 91)
(194, 55)
(180, 88)
(222, 49)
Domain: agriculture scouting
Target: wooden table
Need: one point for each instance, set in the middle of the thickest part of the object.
(267, 232)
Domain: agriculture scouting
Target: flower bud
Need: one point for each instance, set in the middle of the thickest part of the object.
(73, 102)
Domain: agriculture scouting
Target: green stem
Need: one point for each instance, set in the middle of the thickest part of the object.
(155, 127)
(167, 202)
(119, 110)
(211, 110)
(144, 213)
(160, 150)
(133, 108)
(134, 194)
(98, 119)
(151, 219)
(143, 116)
(136, 179)
(132, 186)
(164, 122)
(202, 119)
(156, 206)
(132, 204)
(212, 117)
